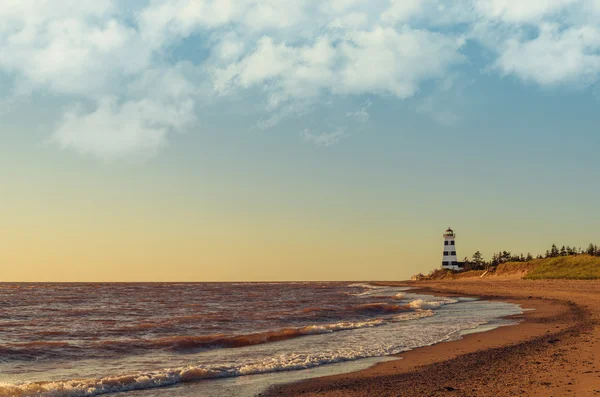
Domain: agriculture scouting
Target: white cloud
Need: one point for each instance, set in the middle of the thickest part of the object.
(548, 42)
(147, 66)
(350, 21)
(520, 11)
(284, 72)
(178, 82)
(555, 56)
(381, 60)
(29, 14)
(116, 129)
(164, 21)
(274, 14)
(387, 61)
(270, 60)
(68, 47)
(228, 48)
(324, 139)
(362, 115)
(337, 6)
(446, 103)
(403, 10)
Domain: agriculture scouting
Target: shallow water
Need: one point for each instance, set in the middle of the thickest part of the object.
(91, 339)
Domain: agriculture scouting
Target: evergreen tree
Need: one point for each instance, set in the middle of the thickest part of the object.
(591, 249)
(466, 264)
(563, 251)
(495, 260)
(529, 257)
(477, 259)
(554, 251)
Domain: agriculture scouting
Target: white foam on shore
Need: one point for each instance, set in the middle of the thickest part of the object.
(170, 376)
(343, 326)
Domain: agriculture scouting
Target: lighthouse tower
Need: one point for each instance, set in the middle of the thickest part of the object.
(449, 260)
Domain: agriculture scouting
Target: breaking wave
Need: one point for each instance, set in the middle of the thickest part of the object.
(382, 308)
(26, 351)
(376, 292)
(367, 286)
(420, 304)
(151, 379)
(29, 351)
(223, 341)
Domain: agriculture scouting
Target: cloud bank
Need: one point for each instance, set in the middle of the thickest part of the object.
(133, 73)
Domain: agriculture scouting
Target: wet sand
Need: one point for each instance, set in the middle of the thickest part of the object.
(554, 351)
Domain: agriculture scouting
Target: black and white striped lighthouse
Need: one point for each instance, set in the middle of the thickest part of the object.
(449, 259)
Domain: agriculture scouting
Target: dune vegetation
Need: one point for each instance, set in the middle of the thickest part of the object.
(582, 267)
(575, 267)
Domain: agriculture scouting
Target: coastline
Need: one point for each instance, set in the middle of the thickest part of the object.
(550, 353)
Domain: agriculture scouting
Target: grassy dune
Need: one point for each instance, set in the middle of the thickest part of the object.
(577, 267)
(518, 267)
(582, 267)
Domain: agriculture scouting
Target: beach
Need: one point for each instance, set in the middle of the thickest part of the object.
(553, 352)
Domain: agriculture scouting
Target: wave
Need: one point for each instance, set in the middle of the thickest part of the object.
(373, 314)
(34, 350)
(223, 341)
(415, 305)
(363, 285)
(140, 381)
(399, 296)
(420, 304)
(29, 351)
(381, 308)
(413, 315)
(151, 379)
(178, 343)
(376, 292)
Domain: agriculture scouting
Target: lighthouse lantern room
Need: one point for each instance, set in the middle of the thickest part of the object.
(449, 260)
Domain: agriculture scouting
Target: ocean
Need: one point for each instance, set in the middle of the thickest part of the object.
(214, 339)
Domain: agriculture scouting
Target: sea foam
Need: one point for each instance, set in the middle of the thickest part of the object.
(170, 376)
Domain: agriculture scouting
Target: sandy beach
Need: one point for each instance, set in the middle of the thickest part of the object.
(554, 351)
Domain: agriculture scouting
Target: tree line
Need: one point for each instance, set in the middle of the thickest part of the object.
(477, 262)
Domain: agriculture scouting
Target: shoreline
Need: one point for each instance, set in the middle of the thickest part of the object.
(539, 356)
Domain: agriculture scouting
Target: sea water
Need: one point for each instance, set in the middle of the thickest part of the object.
(214, 339)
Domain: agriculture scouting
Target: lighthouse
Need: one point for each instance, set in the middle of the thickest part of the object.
(449, 260)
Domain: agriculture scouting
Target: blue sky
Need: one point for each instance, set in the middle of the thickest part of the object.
(342, 132)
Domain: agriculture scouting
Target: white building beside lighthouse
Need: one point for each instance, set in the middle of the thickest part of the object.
(449, 259)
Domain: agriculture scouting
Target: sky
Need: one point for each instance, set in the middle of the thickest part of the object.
(246, 140)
